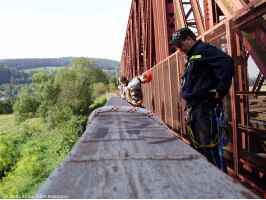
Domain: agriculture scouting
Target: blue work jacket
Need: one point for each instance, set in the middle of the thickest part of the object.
(207, 68)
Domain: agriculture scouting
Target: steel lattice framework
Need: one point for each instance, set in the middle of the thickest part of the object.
(235, 26)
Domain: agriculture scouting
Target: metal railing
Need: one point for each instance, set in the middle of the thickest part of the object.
(246, 109)
(125, 153)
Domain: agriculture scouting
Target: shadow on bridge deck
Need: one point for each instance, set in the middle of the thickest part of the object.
(128, 155)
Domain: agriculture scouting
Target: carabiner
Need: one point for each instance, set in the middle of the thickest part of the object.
(218, 109)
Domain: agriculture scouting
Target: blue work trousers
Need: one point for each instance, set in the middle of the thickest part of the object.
(203, 125)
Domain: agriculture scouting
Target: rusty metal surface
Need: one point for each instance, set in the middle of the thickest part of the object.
(112, 99)
(126, 155)
(241, 35)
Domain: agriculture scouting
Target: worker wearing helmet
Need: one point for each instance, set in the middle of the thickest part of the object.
(133, 91)
(206, 80)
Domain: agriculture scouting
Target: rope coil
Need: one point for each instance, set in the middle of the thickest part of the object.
(129, 109)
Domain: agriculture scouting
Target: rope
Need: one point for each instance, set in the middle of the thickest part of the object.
(219, 122)
(200, 146)
(219, 128)
(126, 109)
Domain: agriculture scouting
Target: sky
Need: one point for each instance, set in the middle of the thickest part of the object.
(61, 28)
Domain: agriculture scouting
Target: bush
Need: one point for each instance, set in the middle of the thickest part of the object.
(10, 147)
(26, 106)
(69, 132)
(99, 102)
(112, 86)
(113, 80)
(99, 89)
(6, 105)
(64, 103)
(35, 164)
(9, 153)
(74, 94)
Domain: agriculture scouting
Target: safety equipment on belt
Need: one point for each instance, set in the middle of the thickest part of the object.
(148, 76)
(200, 146)
(221, 122)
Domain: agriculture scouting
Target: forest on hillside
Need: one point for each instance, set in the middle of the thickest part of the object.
(29, 63)
(12, 76)
(15, 73)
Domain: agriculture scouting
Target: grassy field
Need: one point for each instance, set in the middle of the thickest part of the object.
(7, 124)
(43, 69)
(55, 69)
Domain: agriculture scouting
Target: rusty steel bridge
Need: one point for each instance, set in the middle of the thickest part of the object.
(128, 155)
(235, 26)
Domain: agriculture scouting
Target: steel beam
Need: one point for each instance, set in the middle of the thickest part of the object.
(198, 16)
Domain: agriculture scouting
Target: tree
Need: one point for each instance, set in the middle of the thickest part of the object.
(113, 80)
(26, 106)
(87, 71)
(57, 98)
(99, 89)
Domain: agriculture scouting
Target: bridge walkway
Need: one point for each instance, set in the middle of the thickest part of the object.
(129, 155)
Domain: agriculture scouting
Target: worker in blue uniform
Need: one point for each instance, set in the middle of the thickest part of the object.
(206, 80)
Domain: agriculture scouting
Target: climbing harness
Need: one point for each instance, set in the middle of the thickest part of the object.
(221, 121)
(130, 109)
(188, 119)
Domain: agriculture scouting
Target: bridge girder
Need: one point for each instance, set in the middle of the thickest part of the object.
(235, 26)
(152, 22)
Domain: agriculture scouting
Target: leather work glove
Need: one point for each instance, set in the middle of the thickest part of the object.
(133, 102)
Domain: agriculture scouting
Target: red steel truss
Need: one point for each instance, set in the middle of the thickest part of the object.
(235, 26)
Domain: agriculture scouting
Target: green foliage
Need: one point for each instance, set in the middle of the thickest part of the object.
(47, 70)
(113, 80)
(6, 105)
(87, 71)
(26, 107)
(12, 76)
(9, 153)
(112, 86)
(63, 102)
(12, 90)
(74, 95)
(40, 77)
(99, 102)
(69, 132)
(30, 63)
(27, 157)
(33, 167)
(113, 83)
(45, 92)
(57, 99)
(99, 89)
(10, 146)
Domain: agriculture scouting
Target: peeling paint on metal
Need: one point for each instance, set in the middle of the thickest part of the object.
(146, 163)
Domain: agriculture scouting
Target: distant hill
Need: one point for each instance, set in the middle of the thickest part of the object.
(13, 76)
(30, 63)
